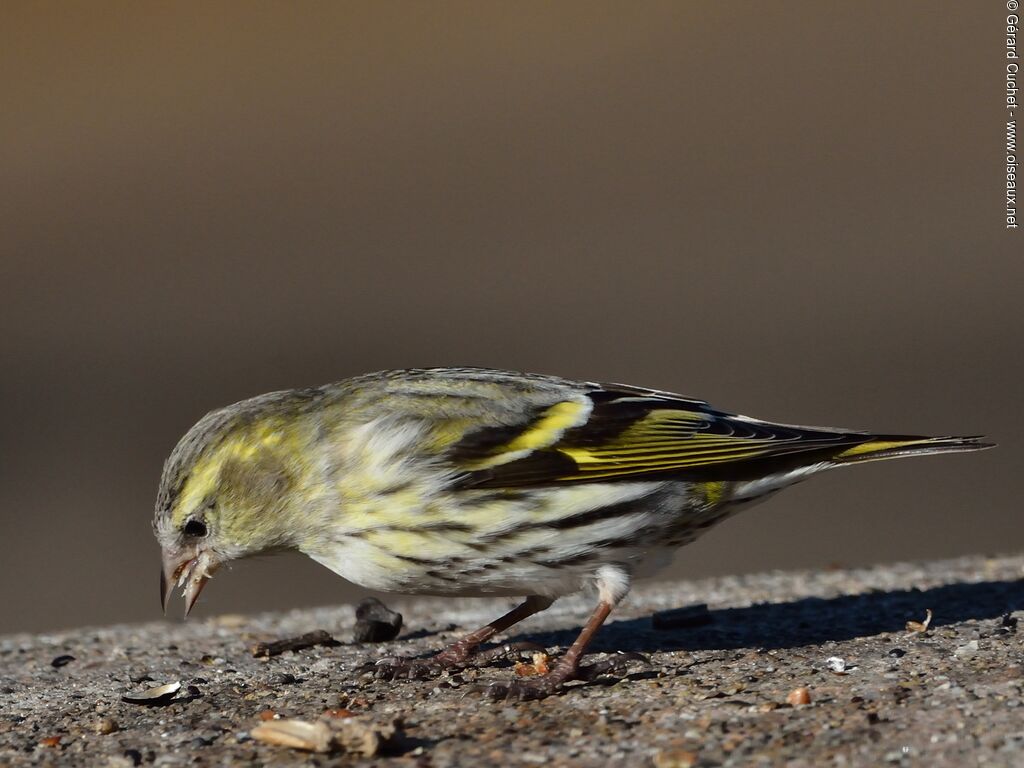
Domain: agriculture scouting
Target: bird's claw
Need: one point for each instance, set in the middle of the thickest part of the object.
(554, 682)
(524, 690)
(398, 668)
(613, 665)
(506, 651)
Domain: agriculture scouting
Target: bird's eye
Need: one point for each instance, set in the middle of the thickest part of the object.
(196, 528)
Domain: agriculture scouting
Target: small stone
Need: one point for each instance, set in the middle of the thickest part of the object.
(967, 650)
(62, 661)
(375, 622)
(674, 758)
(105, 725)
(798, 697)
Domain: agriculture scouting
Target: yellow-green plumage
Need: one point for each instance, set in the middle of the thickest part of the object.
(473, 481)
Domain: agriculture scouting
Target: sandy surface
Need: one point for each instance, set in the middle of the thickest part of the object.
(715, 692)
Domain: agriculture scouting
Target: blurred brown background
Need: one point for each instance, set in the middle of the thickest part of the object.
(793, 209)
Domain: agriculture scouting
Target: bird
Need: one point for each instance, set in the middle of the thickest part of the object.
(483, 483)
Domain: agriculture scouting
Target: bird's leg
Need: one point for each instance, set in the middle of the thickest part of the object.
(565, 668)
(458, 653)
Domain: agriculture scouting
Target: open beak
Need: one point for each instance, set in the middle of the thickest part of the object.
(187, 570)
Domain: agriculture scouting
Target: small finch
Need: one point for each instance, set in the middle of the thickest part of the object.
(476, 482)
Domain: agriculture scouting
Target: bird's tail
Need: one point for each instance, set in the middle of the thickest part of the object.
(894, 446)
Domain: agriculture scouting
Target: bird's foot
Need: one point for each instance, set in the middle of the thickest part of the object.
(613, 665)
(454, 657)
(399, 668)
(533, 688)
(503, 652)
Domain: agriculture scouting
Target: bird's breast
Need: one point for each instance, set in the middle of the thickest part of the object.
(546, 541)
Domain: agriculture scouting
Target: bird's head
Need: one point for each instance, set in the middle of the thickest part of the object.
(228, 490)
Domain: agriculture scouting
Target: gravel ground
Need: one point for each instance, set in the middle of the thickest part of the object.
(721, 687)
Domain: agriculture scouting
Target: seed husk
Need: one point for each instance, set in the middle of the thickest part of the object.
(157, 695)
(296, 734)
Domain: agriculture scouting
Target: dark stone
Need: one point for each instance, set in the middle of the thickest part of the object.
(62, 661)
(375, 622)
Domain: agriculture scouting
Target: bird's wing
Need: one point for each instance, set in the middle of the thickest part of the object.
(614, 432)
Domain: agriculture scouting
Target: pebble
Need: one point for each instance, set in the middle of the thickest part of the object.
(375, 622)
(105, 725)
(798, 697)
(967, 650)
(674, 758)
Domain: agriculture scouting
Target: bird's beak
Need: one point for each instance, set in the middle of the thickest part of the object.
(190, 569)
